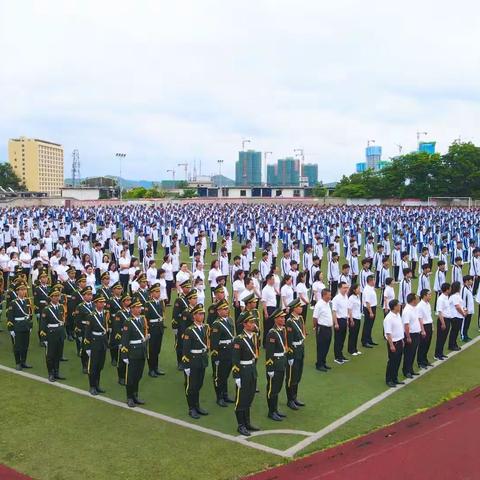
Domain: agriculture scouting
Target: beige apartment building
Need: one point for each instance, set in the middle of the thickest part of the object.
(38, 163)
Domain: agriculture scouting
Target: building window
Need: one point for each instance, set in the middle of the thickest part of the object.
(243, 193)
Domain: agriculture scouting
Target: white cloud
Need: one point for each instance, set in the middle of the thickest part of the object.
(169, 82)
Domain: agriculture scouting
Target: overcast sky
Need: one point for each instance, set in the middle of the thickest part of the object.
(168, 82)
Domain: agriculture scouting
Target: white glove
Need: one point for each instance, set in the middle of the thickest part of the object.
(125, 360)
(290, 362)
(45, 344)
(147, 336)
(217, 363)
(238, 381)
(12, 333)
(187, 372)
(88, 352)
(271, 374)
(175, 331)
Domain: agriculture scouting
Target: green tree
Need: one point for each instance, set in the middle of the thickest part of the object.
(9, 179)
(319, 190)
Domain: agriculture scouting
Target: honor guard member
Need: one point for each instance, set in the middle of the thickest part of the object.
(218, 296)
(142, 293)
(221, 338)
(70, 290)
(114, 306)
(251, 303)
(296, 335)
(244, 372)
(52, 333)
(195, 360)
(179, 306)
(78, 299)
(19, 323)
(118, 323)
(82, 314)
(134, 351)
(276, 362)
(104, 289)
(96, 342)
(153, 310)
(41, 297)
(187, 318)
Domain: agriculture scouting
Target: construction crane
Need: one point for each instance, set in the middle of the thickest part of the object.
(185, 166)
(172, 172)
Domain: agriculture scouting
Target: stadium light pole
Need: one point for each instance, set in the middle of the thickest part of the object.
(120, 156)
(418, 138)
(220, 162)
(299, 153)
(244, 141)
(265, 154)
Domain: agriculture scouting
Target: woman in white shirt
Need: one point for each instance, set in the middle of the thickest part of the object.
(12, 263)
(354, 319)
(77, 261)
(277, 283)
(302, 293)
(124, 268)
(388, 295)
(238, 286)
(198, 272)
(113, 272)
(12, 248)
(286, 292)
(36, 267)
(213, 274)
(4, 259)
(105, 263)
(163, 285)
(200, 289)
(317, 287)
(152, 273)
(44, 256)
(134, 268)
(25, 260)
(90, 274)
(167, 266)
(457, 313)
(182, 275)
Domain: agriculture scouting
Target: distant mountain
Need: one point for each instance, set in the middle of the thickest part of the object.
(223, 181)
(124, 182)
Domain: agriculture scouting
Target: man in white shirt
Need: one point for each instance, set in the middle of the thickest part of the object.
(269, 301)
(340, 321)
(443, 321)
(413, 329)
(369, 304)
(394, 333)
(322, 323)
(467, 297)
(424, 310)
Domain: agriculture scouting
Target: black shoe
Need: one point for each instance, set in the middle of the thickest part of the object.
(367, 345)
(291, 404)
(93, 391)
(194, 414)
(456, 348)
(275, 417)
(345, 359)
(70, 338)
(280, 414)
(25, 365)
(51, 378)
(391, 384)
(59, 377)
(100, 390)
(257, 390)
(327, 367)
(152, 374)
(444, 357)
(299, 403)
(18, 367)
(63, 359)
(131, 403)
(399, 383)
(201, 411)
(373, 343)
(121, 381)
(180, 369)
(159, 372)
(139, 401)
(322, 369)
(438, 358)
(221, 403)
(85, 371)
(114, 363)
(252, 428)
(227, 399)
(428, 364)
(408, 375)
(242, 430)
(415, 374)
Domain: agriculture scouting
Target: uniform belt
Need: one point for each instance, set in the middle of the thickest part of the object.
(225, 342)
(246, 362)
(98, 334)
(19, 319)
(54, 325)
(84, 322)
(202, 350)
(156, 320)
(135, 342)
(279, 354)
(297, 344)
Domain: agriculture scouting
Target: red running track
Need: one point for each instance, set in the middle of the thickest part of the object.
(9, 474)
(441, 443)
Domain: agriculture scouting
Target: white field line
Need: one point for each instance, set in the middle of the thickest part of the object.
(290, 452)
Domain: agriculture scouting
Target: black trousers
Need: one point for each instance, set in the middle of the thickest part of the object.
(334, 287)
(465, 326)
(339, 338)
(154, 347)
(324, 338)
(368, 325)
(267, 323)
(409, 353)
(221, 369)
(133, 376)
(193, 385)
(455, 326)
(424, 346)
(353, 335)
(396, 271)
(96, 362)
(170, 285)
(441, 337)
(124, 278)
(294, 376)
(121, 367)
(54, 352)
(393, 363)
(274, 386)
(246, 393)
(20, 346)
(476, 283)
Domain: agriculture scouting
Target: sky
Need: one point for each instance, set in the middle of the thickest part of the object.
(170, 82)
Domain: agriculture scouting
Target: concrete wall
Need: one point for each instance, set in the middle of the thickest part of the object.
(81, 193)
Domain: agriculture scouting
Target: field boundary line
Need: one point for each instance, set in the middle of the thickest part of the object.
(290, 452)
(143, 411)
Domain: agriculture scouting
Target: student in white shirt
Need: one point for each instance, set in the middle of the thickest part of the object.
(114, 274)
(317, 287)
(394, 333)
(340, 321)
(467, 296)
(199, 287)
(302, 293)
(238, 288)
(269, 301)
(152, 273)
(167, 267)
(388, 295)
(458, 314)
(183, 275)
(322, 323)
(286, 291)
(424, 310)
(354, 319)
(369, 304)
(443, 321)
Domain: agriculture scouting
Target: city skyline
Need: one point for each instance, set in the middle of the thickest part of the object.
(168, 87)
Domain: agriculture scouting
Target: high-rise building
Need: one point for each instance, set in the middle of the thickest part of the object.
(310, 171)
(285, 173)
(373, 155)
(38, 163)
(427, 147)
(248, 168)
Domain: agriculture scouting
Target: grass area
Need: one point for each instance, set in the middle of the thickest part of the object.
(91, 438)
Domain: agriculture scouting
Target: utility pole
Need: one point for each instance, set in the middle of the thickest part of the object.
(185, 165)
(120, 156)
(299, 153)
(220, 162)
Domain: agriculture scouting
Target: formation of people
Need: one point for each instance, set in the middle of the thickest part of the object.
(96, 281)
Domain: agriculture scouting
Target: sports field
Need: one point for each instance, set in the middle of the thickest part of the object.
(51, 432)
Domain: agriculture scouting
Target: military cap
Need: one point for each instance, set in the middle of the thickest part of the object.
(116, 285)
(99, 298)
(86, 290)
(58, 286)
(294, 303)
(248, 318)
(154, 288)
(55, 292)
(42, 274)
(222, 304)
(198, 309)
(142, 278)
(71, 269)
(218, 289)
(186, 284)
(21, 285)
(124, 297)
(249, 298)
(191, 294)
(136, 303)
(221, 277)
(81, 277)
(277, 313)
(105, 275)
